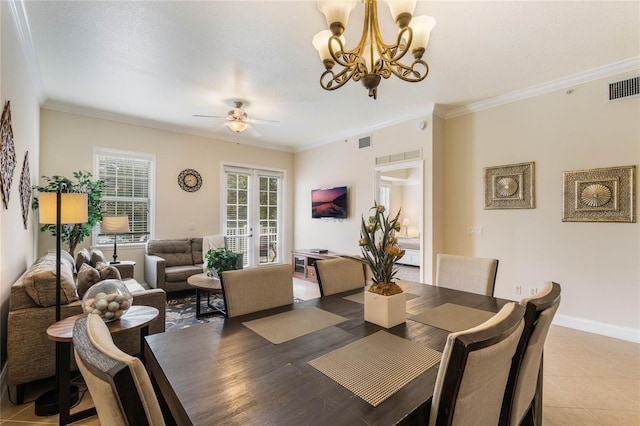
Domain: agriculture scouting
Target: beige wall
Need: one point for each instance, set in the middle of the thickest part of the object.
(342, 163)
(17, 245)
(597, 264)
(68, 142)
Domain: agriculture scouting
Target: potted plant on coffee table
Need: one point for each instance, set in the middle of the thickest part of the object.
(384, 301)
(222, 259)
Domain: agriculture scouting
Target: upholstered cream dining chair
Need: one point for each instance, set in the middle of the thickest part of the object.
(471, 274)
(256, 289)
(118, 383)
(339, 275)
(522, 401)
(474, 369)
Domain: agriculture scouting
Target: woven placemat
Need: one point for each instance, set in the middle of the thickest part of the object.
(359, 297)
(289, 325)
(376, 366)
(452, 317)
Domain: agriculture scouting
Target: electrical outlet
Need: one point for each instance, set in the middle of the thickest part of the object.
(518, 290)
(533, 291)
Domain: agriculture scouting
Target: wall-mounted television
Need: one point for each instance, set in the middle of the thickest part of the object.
(329, 203)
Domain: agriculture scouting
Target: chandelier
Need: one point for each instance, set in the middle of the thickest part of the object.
(372, 59)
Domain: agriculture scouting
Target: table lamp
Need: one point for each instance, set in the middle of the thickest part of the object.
(114, 225)
(59, 208)
(406, 222)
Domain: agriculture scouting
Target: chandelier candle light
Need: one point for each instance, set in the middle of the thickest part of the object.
(372, 58)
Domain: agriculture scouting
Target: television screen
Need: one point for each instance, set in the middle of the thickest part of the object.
(329, 203)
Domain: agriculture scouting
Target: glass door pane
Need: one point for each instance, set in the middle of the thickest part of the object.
(254, 209)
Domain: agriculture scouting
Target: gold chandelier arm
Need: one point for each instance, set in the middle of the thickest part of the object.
(411, 73)
(330, 80)
(395, 52)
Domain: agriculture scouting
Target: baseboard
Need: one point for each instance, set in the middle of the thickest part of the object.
(615, 331)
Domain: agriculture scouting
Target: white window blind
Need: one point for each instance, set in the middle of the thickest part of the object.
(126, 191)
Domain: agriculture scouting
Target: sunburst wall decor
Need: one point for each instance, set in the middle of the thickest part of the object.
(599, 195)
(509, 187)
(25, 189)
(7, 154)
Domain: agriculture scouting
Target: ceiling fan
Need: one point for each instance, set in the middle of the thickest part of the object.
(238, 121)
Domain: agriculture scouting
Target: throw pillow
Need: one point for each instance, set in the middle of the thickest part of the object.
(40, 282)
(97, 257)
(110, 273)
(87, 276)
(82, 257)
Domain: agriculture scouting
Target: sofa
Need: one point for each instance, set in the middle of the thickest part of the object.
(30, 353)
(168, 263)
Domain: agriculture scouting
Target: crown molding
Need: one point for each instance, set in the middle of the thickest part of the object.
(626, 65)
(23, 32)
(158, 125)
(366, 130)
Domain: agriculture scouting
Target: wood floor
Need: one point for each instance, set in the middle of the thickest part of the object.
(588, 380)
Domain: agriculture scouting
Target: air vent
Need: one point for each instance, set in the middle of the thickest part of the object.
(624, 89)
(364, 142)
(416, 154)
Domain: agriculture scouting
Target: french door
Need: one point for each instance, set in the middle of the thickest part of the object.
(253, 214)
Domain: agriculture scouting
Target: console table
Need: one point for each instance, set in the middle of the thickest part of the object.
(303, 263)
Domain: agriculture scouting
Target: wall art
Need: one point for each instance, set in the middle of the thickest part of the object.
(25, 189)
(7, 154)
(599, 195)
(509, 187)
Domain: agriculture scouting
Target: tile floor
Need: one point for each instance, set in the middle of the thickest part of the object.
(589, 380)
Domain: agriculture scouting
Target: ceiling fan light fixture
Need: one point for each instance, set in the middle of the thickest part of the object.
(236, 125)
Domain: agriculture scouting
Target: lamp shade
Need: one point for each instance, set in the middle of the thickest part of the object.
(406, 222)
(336, 12)
(115, 224)
(398, 7)
(73, 208)
(422, 26)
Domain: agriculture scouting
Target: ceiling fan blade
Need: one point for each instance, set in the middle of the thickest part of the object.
(265, 122)
(211, 116)
(252, 131)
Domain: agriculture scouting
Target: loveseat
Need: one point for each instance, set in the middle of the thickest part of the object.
(168, 263)
(30, 353)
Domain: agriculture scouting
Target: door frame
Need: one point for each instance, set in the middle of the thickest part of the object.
(254, 210)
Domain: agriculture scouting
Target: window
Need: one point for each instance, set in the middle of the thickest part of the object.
(385, 196)
(127, 191)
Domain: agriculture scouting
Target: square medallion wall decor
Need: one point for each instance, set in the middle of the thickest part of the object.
(509, 187)
(599, 195)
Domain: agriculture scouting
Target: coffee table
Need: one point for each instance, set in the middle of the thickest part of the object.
(206, 284)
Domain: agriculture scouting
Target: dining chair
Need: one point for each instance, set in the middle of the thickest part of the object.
(256, 289)
(523, 398)
(339, 275)
(118, 383)
(465, 273)
(474, 369)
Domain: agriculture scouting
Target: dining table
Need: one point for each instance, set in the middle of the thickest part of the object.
(224, 372)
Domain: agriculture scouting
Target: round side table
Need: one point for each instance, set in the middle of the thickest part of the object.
(206, 284)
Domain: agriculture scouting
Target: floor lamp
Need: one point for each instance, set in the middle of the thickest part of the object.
(114, 225)
(59, 208)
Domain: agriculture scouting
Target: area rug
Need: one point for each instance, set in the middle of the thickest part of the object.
(181, 310)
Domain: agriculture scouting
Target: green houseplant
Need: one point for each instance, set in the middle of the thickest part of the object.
(222, 259)
(84, 183)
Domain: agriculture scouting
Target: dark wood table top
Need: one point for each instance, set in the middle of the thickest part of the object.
(224, 373)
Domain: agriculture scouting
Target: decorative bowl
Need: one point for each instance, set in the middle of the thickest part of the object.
(109, 298)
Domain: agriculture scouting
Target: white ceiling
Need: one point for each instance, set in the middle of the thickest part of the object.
(160, 62)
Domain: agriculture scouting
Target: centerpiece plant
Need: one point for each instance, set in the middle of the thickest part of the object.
(221, 259)
(380, 250)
